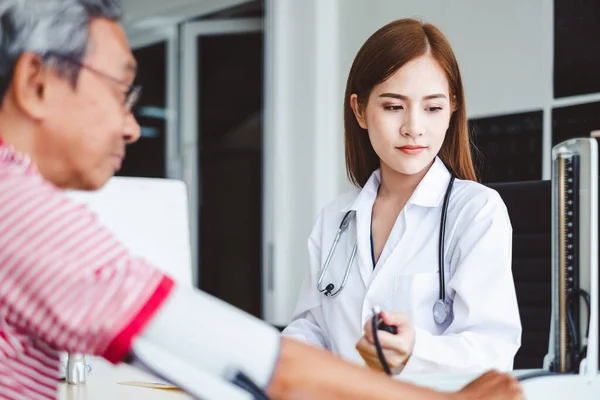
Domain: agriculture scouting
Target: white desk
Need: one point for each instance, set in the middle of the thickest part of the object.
(450, 382)
(565, 386)
(103, 384)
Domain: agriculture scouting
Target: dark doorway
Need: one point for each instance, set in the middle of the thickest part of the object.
(230, 98)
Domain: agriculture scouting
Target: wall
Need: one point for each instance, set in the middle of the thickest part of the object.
(301, 151)
(504, 48)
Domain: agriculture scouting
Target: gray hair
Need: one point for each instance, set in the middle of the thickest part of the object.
(56, 30)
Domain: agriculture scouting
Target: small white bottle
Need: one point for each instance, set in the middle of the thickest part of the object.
(77, 369)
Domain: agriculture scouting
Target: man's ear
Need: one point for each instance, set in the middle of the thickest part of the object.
(359, 114)
(29, 84)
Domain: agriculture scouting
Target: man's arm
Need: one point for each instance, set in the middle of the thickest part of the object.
(64, 278)
(304, 372)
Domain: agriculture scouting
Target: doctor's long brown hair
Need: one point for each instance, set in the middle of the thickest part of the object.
(381, 56)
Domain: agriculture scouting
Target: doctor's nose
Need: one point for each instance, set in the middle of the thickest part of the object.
(412, 126)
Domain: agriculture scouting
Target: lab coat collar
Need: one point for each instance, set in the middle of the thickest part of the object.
(429, 193)
(367, 194)
(432, 188)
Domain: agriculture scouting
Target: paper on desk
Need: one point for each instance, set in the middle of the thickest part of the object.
(151, 385)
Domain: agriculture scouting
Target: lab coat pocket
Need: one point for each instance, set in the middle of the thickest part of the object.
(415, 294)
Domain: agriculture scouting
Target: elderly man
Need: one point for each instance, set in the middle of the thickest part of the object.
(67, 284)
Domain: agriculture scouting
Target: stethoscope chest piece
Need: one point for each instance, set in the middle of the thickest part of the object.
(441, 311)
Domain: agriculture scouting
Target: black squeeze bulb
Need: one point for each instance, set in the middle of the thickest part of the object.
(382, 326)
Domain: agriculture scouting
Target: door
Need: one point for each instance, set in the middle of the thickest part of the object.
(222, 106)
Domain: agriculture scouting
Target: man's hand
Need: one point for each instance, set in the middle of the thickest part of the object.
(397, 348)
(492, 385)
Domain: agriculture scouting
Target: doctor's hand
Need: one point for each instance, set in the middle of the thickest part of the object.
(397, 348)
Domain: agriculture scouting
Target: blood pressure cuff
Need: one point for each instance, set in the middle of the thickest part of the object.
(207, 347)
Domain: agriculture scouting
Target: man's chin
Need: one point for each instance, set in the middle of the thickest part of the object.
(93, 183)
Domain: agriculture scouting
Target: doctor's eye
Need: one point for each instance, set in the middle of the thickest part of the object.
(393, 108)
(433, 109)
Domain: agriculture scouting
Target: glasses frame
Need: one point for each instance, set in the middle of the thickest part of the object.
(132, 95)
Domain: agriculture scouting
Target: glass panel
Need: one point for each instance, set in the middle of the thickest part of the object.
(576, 32)
(509, 147)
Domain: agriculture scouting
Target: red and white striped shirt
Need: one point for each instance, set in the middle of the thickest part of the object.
(66, 283)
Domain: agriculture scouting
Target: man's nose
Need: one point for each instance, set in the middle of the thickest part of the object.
(131, 131)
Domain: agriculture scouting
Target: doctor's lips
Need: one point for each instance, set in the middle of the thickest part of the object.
(411, 149)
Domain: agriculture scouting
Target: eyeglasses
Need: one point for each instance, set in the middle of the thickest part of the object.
(132, 95)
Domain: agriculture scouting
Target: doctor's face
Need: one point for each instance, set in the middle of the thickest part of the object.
(407, 115)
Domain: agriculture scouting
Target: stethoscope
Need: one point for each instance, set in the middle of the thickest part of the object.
(441, 308)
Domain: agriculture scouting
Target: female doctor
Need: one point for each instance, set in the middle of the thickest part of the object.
(423, 240)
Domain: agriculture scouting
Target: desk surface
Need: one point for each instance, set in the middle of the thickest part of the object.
(104, 383)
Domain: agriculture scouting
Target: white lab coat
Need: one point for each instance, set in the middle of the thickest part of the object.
(484, 329)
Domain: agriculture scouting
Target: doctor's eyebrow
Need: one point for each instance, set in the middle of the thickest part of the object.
(403, 97)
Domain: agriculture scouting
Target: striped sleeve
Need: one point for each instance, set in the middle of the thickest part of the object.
(64, 278)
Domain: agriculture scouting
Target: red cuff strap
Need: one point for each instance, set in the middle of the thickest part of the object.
(121, 344)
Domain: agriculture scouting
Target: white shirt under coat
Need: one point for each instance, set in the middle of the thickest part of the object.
(484, 328)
